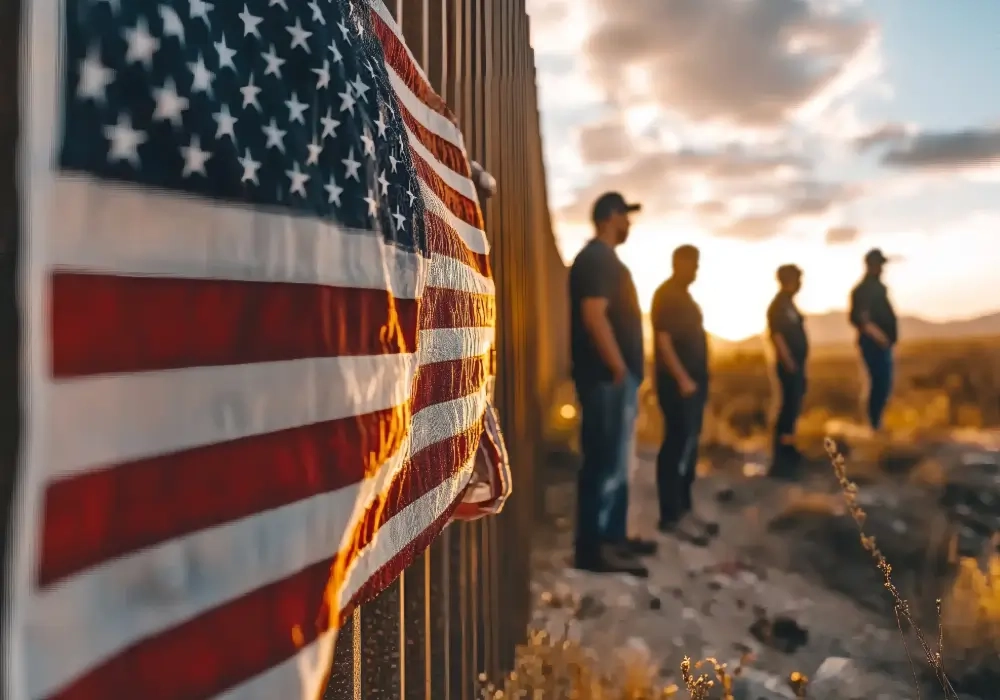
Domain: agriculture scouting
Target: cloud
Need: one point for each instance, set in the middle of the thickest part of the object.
(751, 63)
(668, 181)
(886, 134)
(803, 200)
(605, 142)
(967, 149)
(837, 235)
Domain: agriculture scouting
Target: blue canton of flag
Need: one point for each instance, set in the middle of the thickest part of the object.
(291, 109)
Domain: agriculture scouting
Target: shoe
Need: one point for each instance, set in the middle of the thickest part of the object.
(611, 560)
(677, 530)
(640, 547)
(710, 528)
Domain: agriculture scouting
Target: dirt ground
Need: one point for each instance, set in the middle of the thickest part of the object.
(786, 580)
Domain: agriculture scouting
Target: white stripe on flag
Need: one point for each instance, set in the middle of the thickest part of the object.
(96, 614)
(473, 237)
(459, 183)
(448, 273)
(198, 406)
(108, 419)
(197, 239)
(428, 118)
(445, 344)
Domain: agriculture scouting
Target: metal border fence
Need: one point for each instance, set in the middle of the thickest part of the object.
(459, 610)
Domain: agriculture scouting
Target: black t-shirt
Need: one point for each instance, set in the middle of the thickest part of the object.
(676, 313)
(784, 319)
(870, 302)
(597, 272)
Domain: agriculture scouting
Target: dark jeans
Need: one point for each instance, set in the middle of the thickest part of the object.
(878, 361)
(793, 389)
(678, 457)
(607, 426)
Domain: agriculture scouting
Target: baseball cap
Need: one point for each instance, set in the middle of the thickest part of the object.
(611, 203)
(875, 256)
(789, 272)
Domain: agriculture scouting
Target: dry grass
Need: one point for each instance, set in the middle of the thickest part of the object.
(547, 669)
(904, 616)
(940, 387)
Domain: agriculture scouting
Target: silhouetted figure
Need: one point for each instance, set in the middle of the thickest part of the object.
(791, 348)
(872, 314)
(681, 354)
(608, 364)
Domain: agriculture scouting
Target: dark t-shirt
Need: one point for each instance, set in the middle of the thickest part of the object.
(597, 272)
(676, 313)
(783, 318)
(870, 302)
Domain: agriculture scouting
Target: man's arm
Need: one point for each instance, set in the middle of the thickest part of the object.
(594, 312)
(665, 321)
(861, 317)
(665, 346)
(778, 327)
(784, 352)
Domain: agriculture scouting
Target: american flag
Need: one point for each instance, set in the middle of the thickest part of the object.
(260, 322)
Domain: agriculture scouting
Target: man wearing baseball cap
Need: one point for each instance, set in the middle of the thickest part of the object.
(608, 364)
(791, 348)
(874, 318)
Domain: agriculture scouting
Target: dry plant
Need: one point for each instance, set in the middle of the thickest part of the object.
(901, 606)
(970, 615)
(550, 669)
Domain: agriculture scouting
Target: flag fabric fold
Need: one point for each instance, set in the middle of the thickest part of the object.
(260, 319)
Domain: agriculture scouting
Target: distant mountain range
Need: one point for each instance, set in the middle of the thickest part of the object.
(833, 328)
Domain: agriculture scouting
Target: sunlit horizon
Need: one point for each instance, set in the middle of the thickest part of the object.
(878, 128)
(736, 278)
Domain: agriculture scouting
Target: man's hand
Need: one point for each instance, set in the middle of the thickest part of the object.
(791, 366)
(876, 334)
(619, 373)
(687, 386)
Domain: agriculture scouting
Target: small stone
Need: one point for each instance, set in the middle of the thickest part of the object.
(655, 603)
(589, 608)
(689, 614)
(899, 527)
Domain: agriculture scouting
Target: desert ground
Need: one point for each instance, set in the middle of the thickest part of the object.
(786, 590)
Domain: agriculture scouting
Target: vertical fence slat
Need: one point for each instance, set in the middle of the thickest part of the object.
(381, 654)
(345, 675)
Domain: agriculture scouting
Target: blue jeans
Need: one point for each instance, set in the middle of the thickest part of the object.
(606, 429)
(878, 361)
(677, 460)
(793, 390)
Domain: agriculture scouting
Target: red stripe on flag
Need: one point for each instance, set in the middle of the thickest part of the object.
(443, 239)
(396, 56)
(459, 205)
(102, 514)
(108, 323)
(447, 153)
(447, 308)
(244, 637)
(437, 380)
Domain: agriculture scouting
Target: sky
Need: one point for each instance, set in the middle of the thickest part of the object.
(775, 131)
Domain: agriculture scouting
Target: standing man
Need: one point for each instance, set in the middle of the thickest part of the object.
(681, 348)
(872, 314)
(791, 348)
(607, 353)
